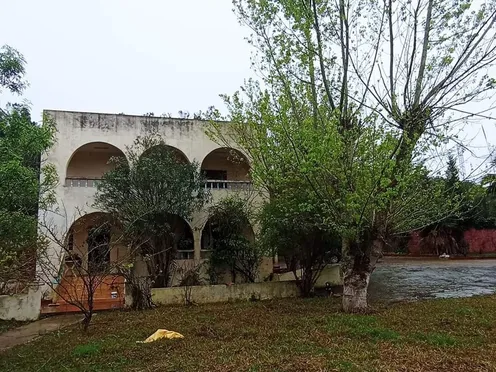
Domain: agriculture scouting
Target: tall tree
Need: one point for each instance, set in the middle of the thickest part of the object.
(22, 143)
(150, 193)
(355, 93)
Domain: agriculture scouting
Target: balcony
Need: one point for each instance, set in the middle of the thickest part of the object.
(81, 182)
(228, 185)
(209, 184)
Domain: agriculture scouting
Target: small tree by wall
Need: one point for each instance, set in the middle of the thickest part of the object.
(293, 228)
(232, 250)
(83, 265)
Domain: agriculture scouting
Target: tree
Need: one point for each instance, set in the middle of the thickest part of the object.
(150, 193)
(12, 70)
(231, 248)
(293, 227)
(22, 191)
(356, 94)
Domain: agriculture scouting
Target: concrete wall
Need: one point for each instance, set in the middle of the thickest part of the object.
(22, 307)
(331, 274)
(223, 293)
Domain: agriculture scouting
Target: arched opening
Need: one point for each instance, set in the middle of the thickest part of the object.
(89, 163)
(211, 234)
(91, 252)
(91, 243)
(185, 244)
(179, 156)
(226, 168)
(169, 240)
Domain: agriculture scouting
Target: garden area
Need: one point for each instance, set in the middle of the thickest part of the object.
(282, 335)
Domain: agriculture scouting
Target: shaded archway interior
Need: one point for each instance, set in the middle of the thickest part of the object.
(91, 241)
(91, 247)
(210, 235)
(178, 154)
(90, 162)
(183, 236)
(226, 164)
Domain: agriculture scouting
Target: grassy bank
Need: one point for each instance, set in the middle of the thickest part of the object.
(286, 335)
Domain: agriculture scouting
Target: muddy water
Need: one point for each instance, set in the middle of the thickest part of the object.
(400, 280)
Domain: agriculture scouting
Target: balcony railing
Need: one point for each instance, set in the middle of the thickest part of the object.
(185, 255)
(228, 184)
(209, 184)
(81, 182)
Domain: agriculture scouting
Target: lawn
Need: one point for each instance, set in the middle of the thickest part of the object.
(284, 335)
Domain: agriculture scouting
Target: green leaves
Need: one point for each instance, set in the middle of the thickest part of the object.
(12, 69)
(26, 183)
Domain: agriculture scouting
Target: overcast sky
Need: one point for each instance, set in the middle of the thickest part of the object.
(136, 57)
(126, 55)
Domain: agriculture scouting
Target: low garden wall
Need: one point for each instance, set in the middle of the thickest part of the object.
(22, 307)
(330, 273)
(223, 293)
(283, 286)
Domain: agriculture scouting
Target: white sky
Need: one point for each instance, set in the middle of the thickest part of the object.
(136, 57)
(126, 55)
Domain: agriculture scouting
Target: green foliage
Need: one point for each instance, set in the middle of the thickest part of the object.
(327, 126)
(476, 208)
(232, 248)
(12, 70)
(26, 184)
(293, 226)
(151, 192)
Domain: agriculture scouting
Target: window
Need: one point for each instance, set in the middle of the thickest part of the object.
(98, 248)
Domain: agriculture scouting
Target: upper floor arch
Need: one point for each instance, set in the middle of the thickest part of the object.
(89, 163)
(226, 164)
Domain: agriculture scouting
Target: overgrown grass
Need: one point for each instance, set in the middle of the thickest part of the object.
(286, 335)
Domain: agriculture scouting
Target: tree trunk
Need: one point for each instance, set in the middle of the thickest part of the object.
(358, 265)
(355, 286)
(87, 320)
(141, 293)
(306, 282)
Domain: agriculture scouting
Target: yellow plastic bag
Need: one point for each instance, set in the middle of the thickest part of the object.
(159, 334)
